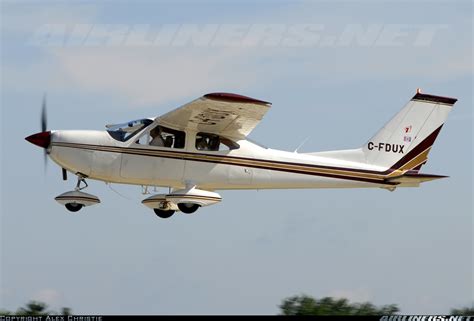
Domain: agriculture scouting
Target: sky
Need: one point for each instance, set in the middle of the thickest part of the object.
(335, 73)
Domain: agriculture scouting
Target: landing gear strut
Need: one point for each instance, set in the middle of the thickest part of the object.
(81, 179)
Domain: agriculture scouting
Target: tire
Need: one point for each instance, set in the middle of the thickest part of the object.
(74, 207)
(188, 208)
(162, 213)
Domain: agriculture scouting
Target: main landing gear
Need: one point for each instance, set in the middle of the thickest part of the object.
(163, 213)
(75, 200)
(187, 200)
(187, 208)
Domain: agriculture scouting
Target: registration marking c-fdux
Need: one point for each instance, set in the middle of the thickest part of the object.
(306, 169)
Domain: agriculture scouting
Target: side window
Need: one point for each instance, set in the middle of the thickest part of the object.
(144, 139)
(212, 142)
(167, 137)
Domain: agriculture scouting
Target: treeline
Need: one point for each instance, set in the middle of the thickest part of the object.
(307, 305)
(35, 308)
(295, 305)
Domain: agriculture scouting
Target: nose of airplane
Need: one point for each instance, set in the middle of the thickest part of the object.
(42, 139)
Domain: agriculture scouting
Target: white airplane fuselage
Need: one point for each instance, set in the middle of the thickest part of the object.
(96, 155)
(202, 147)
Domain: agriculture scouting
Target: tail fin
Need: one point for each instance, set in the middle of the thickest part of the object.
(405, 141)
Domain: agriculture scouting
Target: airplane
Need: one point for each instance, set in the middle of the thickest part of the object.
(203, 146)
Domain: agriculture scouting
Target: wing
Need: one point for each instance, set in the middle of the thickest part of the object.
(218, 113)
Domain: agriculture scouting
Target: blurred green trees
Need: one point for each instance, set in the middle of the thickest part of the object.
(306, 305)
(467, 311)
(35, 308)
(295, 305)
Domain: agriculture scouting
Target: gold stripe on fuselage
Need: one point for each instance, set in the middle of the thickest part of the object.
(308, 169)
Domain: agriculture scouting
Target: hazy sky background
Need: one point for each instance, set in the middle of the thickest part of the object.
(412, 247)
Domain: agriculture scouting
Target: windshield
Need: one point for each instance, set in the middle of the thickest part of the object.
(125, 131)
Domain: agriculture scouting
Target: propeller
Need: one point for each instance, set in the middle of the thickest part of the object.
(43, 138)
(44, 120)
(44, 126)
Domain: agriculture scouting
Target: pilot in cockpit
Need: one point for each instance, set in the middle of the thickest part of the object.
(156, 139)
(201, 143)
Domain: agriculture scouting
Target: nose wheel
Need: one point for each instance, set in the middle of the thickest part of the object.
(76, 207)
(75, 200)
(73, 207)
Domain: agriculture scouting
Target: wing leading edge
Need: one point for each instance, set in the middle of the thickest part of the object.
(224, 114)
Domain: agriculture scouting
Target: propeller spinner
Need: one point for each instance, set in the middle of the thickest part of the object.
(43, 138)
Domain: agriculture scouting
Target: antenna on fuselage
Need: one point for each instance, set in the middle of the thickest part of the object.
(302, 143)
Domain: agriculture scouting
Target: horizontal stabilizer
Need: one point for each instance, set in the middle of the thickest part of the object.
(412, 178)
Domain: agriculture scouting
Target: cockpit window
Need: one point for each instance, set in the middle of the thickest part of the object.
(125, 131)
(213, 142)
(167, 137)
